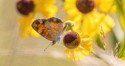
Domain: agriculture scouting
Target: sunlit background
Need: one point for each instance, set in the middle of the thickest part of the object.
(29, 51)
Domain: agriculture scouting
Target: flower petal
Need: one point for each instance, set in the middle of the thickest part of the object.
(93, 21)
(25, 26)
(46, 7)
(42, 2)
(76, 54)
(70, 7)
(106, 5)
(49, 11)
(77, 19)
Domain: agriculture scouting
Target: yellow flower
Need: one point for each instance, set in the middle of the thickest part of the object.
(46, 7)
(92, 22)
(87, 22)
(105, 5)
(25, 26)
(29, 9)
(86, 17)
(78, 46)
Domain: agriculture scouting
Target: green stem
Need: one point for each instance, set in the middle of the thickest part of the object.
(100, 58)
(121, 13)
(99, 42)
(121, 16)
(114, 38)
(121, 50)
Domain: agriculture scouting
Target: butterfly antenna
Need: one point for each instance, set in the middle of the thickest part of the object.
(48, 46)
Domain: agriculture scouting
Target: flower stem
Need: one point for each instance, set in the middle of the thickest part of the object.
(99, 42)
(100, 58)
(121, 16)
(121, 13)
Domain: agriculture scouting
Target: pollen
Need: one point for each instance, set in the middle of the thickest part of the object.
(71, 40)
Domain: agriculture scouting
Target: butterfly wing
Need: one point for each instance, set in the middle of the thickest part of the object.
(39, 26)
(49, 28)
(54, 26)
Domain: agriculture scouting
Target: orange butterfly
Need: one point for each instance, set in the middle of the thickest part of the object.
(50, 28)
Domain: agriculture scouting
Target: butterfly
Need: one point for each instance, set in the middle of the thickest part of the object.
(50, 28)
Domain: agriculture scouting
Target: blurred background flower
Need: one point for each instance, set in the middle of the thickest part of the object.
(84, 13)
(29, 9)
(105, 16)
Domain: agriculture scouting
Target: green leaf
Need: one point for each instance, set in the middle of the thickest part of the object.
(121, 50)
(121, 12)
(99, 41)
(121, 15)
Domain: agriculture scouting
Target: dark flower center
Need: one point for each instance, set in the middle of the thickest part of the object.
(25, 7)
(70, 37)
(71, 40)
(85, 6)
